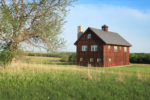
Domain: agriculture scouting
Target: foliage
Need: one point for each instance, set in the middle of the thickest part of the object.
(140, 58)
(6, 57)
(35, 22)
(72, 58)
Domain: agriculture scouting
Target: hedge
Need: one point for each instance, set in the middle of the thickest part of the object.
(143, 58)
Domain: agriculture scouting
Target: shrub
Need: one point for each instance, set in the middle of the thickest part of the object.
(6, 57)
(72, 58)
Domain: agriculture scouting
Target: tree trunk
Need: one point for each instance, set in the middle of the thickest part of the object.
(13, 47)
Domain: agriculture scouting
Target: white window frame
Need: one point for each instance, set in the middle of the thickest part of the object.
(94, 47)
(115, 48)
(125, 49)
(81, 59)
(109, 59)
(109, 46)
(91, 59)
(84, 47)
(99, 59)
(89, 36)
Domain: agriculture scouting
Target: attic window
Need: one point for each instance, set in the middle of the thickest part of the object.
(89, 36)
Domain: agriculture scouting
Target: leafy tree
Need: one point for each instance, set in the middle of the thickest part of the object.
(36, 22)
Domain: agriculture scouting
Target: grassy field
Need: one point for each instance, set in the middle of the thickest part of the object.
(44, 78)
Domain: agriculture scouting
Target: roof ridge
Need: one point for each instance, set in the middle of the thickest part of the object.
(102, 30)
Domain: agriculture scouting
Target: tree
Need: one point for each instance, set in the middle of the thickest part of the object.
(34, 22)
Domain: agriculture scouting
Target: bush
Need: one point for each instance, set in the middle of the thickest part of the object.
(6, 57)
(140, 58)
(68, 57)
(72, 58)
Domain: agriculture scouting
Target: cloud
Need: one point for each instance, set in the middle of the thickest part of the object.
(130, 23)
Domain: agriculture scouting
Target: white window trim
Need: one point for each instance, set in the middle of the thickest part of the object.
(81, 59)
(89, 36)
(109, 59)
(115, 48)
(83, 47)
(91, 59)
(125, 49)
(94, 47)
(99, 59)
(109, 46)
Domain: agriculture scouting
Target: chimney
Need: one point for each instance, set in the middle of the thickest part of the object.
(80, 31)
(105, 28)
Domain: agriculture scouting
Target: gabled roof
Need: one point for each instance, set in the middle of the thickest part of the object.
(109, 37)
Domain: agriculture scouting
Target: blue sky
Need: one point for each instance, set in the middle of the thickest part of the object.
(137, 4)
(129, 18)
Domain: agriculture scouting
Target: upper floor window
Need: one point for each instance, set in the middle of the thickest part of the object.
(84, 48)
(94, 47)
(125, 49)
(115, 48)
(89, 36)
(108, 46)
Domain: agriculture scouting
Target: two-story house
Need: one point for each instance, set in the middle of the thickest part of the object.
(102, 48)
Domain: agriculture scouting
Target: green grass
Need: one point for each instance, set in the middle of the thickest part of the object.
(38, 81)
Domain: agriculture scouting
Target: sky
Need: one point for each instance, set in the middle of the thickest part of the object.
(129, 18)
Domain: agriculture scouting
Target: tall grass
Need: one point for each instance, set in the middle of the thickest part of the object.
(39, 81)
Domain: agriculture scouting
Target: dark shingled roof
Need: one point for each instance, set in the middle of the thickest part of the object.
(110, 37)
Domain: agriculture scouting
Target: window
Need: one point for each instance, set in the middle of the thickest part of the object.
(115, 48)
(108, 46)
(125, 49)
(89, 36)
(98, 59)
(84, 48)
(94, 47)
(109, 59)
(120, 47)
(81, 59)
(91, 59)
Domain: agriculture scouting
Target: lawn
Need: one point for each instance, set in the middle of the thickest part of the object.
(39, 81)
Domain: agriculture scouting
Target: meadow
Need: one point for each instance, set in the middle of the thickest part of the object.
(46, 78)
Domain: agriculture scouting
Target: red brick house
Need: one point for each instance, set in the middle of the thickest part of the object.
(101, 48)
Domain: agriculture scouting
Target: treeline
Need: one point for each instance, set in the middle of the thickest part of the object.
(48, 54)
(143, 58)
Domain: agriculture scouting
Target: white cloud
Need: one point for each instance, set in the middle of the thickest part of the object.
(130, 23)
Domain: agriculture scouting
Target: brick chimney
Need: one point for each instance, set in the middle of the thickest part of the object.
(80, 31)
(105, 28)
